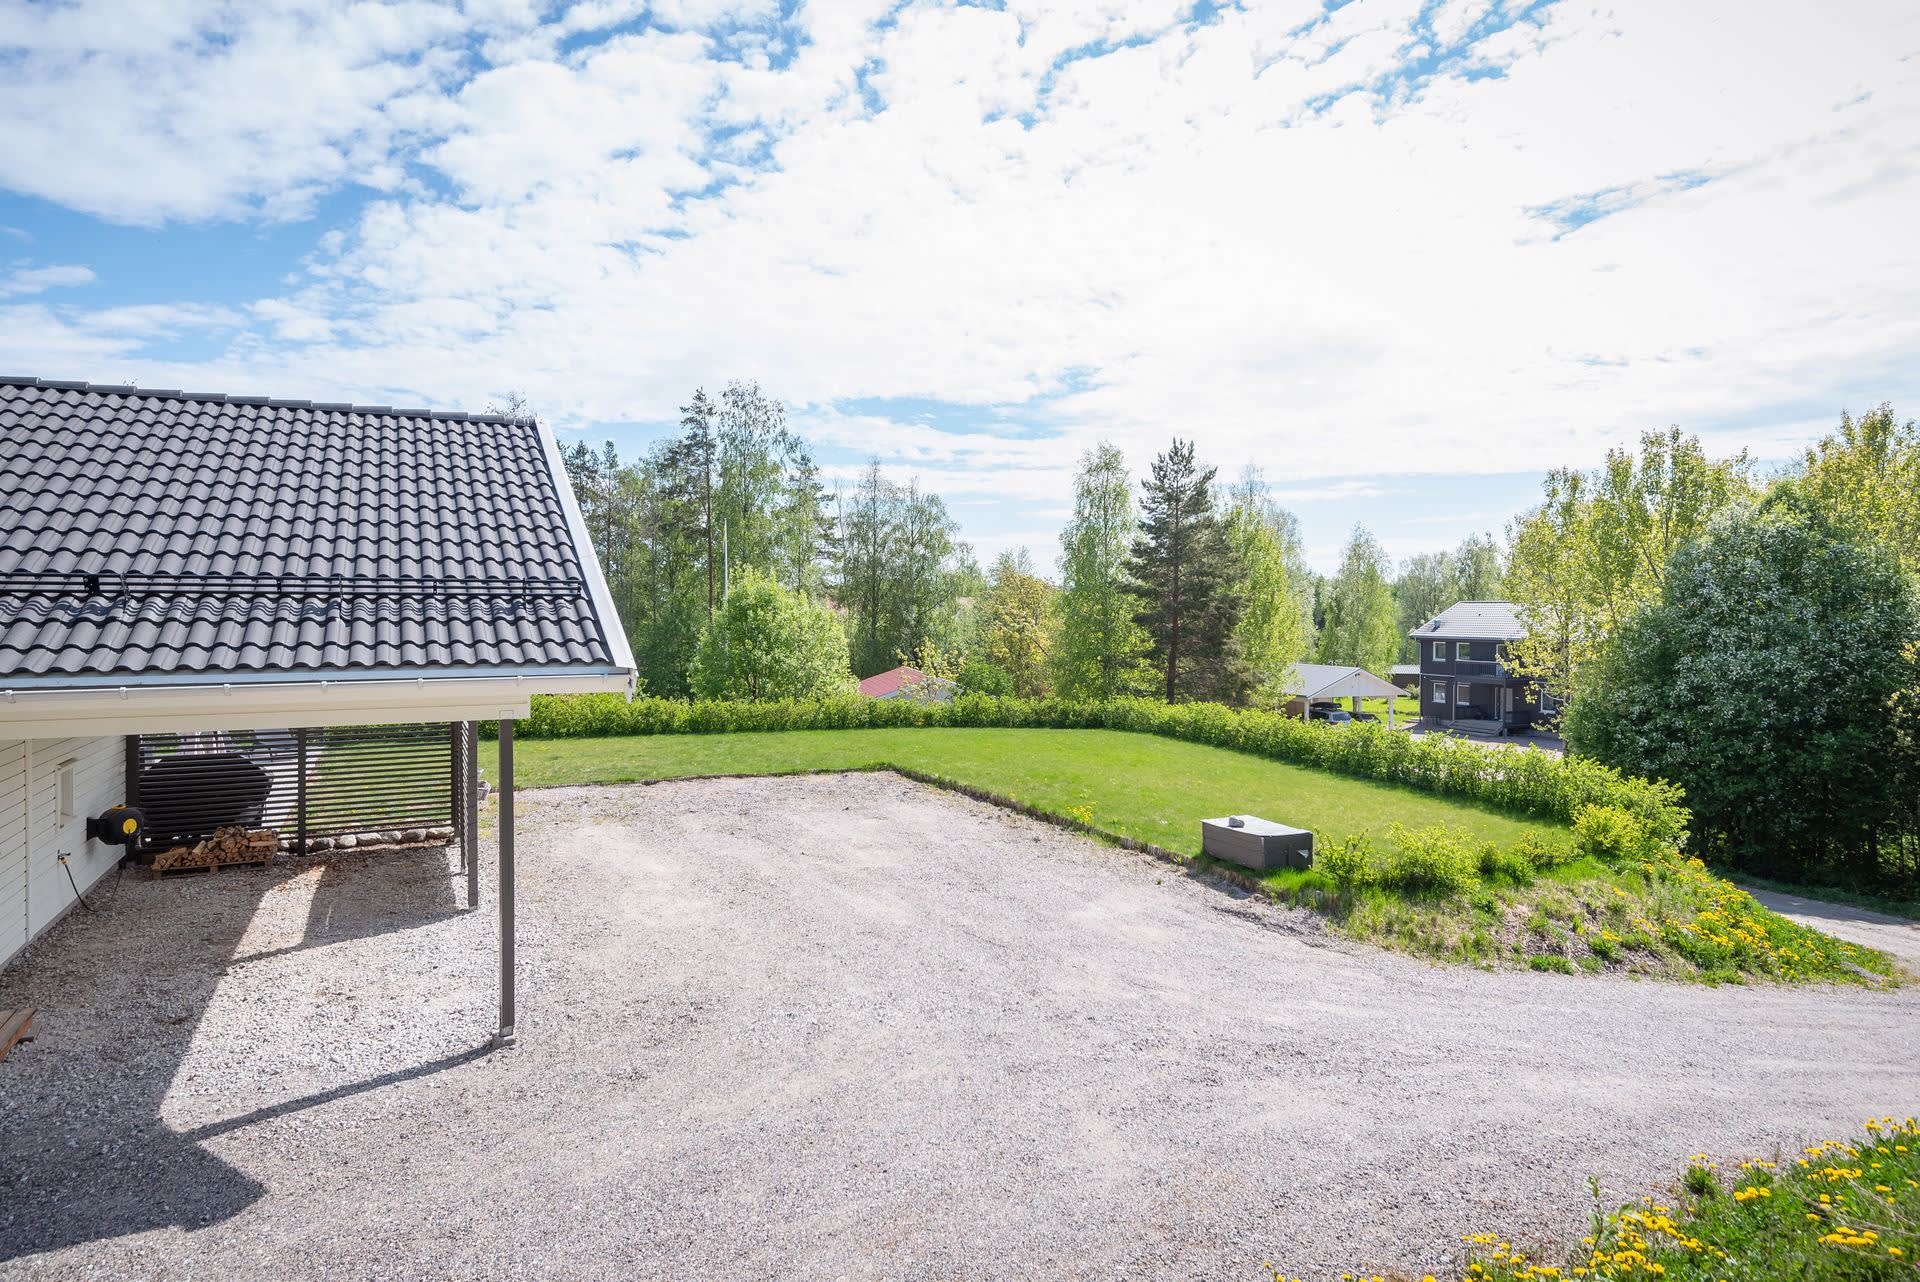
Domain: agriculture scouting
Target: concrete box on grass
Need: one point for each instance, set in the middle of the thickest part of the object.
(1256, 843)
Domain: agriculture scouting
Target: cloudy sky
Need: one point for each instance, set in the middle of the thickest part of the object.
(1402, 254)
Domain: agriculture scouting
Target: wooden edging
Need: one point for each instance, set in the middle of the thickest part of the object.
(15, 1027)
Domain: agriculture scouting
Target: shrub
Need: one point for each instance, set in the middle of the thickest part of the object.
(1506, 863)
(1349, 861)
(1612, 835)
(1430, 861)
(1523, 782)
(769, 642)
(1543, 855)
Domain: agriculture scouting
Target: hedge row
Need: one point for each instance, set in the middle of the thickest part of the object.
(1523, 782)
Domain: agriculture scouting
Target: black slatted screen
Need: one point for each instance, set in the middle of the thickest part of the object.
(373, 783)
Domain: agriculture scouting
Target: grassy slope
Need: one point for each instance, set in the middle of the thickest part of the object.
(1845, 1211)
(1138, 785)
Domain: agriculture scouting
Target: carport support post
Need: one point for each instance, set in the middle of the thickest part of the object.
(470, 801)
(504, 1037)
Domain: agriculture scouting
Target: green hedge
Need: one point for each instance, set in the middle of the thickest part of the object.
(1522, 782)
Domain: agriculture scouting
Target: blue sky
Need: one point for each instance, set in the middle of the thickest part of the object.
(1402, 255)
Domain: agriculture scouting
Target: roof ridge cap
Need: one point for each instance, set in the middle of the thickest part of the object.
(265, 402)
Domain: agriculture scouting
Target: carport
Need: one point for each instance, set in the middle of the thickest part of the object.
(180, 567)
(1311, 682)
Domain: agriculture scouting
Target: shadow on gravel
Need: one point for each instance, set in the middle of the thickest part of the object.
(441, 1065)
(84, 1153)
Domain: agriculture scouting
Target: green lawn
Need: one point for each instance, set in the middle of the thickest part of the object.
(1406, 710)
(1137, 785)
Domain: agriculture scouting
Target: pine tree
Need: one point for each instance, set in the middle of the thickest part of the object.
(690, 462)
(809, 538)
(1182, 569)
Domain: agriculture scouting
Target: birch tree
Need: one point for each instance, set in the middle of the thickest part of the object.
(1100, 652)
(1597, 548)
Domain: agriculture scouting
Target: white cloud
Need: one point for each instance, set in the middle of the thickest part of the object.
(36, 280)
(1329, 492)
(106, 344)
(1083, 220)
(208, 108)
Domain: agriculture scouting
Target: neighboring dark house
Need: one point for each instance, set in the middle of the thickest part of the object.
(1464, 680)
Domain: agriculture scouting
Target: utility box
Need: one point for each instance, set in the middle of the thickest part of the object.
(1256, 843)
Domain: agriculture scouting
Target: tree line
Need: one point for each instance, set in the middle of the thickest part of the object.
(1172, 584)
(732, 508)
(1754, 639)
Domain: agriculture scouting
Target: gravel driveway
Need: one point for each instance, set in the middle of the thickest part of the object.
(845, 1027)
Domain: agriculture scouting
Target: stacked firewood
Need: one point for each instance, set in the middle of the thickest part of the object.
(231, 845)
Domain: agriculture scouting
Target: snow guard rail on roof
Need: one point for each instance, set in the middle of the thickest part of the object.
(284, 586)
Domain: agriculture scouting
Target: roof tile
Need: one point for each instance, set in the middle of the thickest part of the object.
(114, 480)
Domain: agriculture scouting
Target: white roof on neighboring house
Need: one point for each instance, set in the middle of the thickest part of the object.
(1331, 681)
(1474, 621)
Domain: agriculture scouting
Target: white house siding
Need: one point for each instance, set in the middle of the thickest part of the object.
(13, 847)
(34, 830)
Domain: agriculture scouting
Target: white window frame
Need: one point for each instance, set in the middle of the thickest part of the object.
(1440, 690)
(1439, 651)
(1462, 650)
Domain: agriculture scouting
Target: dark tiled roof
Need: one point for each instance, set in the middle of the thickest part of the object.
(121, 481)
(1474, 621)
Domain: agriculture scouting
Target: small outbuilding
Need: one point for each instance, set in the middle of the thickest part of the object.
(907, 683)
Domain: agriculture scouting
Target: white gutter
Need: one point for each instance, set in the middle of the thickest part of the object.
(603, 607)
(201, 679)
(130, 709)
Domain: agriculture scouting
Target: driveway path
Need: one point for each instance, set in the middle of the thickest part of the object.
(1899, 936)
(846, 1027)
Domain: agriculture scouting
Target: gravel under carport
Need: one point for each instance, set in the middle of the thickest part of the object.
(844, 1027)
